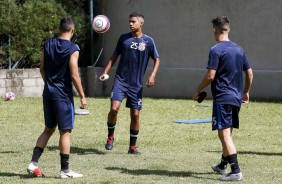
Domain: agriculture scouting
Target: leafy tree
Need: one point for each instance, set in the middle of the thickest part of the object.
(29, 23)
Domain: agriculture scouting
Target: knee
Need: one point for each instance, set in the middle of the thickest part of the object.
(224, 136)
(135, 116)
(114, 110)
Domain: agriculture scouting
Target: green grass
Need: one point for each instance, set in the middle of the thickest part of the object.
(171, 152)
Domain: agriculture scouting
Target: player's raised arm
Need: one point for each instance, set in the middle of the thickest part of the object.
(76, 79)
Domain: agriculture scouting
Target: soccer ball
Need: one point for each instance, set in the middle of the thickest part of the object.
(101, 24)
(10, 96)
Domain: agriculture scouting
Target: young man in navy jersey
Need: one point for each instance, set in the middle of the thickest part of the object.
(59, 69)
(226, 65)
(135, 49)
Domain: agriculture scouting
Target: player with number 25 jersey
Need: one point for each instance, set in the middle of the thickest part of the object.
(135, 49)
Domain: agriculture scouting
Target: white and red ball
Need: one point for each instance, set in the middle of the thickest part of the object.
(10, 96)
(101, 24)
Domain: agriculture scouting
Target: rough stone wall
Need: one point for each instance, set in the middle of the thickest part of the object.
(22, 82)
(28, 83)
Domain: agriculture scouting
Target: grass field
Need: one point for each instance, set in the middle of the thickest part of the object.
(171, 152)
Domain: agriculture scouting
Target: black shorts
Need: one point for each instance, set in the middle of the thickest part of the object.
(58, 112)
(225, 116)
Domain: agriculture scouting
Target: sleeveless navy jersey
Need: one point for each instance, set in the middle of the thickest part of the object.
(134, 56)
(58, 83)
(229, 61)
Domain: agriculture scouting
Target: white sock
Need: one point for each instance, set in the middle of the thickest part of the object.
(32, 167)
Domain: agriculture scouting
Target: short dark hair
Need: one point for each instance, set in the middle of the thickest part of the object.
(66, 24)
(221, 22)
(135, 14)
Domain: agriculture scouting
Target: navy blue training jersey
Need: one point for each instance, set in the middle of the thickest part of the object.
(229, 61)
(58, 83)
(134, 56)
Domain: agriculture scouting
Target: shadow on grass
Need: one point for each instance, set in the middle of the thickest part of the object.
(259, 153)
(267, 100)
(5, 174)
(7, 152)
(163, 173)
(22, 176)
(79, 151)
(254, 153)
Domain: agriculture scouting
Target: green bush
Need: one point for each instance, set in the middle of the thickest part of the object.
(30, 23)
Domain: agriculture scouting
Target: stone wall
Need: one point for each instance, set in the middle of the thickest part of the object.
(28, 83)
(22, 82)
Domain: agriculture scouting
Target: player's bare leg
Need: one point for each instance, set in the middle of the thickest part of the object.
(134, 130)
(135, 120)
(112, 116)
(44, 137)
(64, 141)
(229, 152)
(64, 145)
(38, 150)
(112, 119)
(225, 136)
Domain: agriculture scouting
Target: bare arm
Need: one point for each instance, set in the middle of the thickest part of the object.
(111, 63)
(151, 79)
(42, 72)
(248, 83)
(76, 78)
(208, 78)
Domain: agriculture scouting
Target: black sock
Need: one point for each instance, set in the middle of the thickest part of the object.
(37, 151)
(65, 162)
(233, 161)
(223, 162)
(111, 129)
(133, 137)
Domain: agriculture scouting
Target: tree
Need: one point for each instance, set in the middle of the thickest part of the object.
(29, 23)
